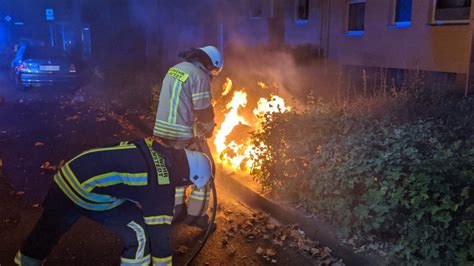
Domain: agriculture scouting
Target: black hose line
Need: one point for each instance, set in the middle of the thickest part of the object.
(203, 147)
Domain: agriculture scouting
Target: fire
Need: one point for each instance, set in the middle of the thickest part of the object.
(227, 86)
(276, 104)
(235, 154)
(262, 85)
(232, 119)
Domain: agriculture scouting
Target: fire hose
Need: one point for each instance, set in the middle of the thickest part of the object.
(203, 147)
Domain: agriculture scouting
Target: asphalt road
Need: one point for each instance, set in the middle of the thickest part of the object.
(41, 127)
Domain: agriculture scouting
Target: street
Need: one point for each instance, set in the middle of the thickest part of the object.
(43, 127)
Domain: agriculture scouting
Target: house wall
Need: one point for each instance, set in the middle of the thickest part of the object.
(420, 46)
(297, 33)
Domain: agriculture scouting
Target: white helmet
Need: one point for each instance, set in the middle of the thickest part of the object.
(216, 58)
(199, 168)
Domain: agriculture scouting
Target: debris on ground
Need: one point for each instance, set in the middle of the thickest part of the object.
(51, 167)
(121, 120)
(73, 118)
(258, 226)
(101, 119)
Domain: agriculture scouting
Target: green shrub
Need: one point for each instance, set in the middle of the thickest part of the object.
(409, 181)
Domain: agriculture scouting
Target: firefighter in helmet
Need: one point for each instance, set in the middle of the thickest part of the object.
(184, 105)
(130, 188)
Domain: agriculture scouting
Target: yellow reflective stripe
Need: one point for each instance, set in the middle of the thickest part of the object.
(160, 164)
(179, 193)
(18, 258)
(145, 261)
(176, 103)
(199, 94)
(174, 130)
(113, 178)
(86, 205)
(169, 133)
(141, 239)
(162, 261)
(173, 95)
(178, 74)
(202, 95)
(160, 219)
(74, 182)
(174, 126)
(200, 194)
(199, 197)
(125, 147)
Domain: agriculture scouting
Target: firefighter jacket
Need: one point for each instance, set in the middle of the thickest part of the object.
(143, 172)
(185, 95)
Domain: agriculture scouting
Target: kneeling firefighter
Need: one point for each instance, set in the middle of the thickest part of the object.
(184, 105)
(130, 188)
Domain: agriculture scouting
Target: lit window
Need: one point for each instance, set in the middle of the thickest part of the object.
(356, 16)
(302, 11)
(402, 11)
(256, 9)
(451, 10)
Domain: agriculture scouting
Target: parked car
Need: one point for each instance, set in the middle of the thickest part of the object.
(39, 66)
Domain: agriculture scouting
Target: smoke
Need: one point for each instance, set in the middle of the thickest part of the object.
(173, 26)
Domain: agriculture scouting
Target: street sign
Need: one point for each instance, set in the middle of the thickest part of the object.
(8, 18)
(49, 12)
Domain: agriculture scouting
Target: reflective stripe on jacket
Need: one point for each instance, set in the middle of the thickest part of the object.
(185, 88)
(143, 172)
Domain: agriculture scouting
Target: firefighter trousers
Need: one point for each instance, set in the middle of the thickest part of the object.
(193, 208)
(60, 214)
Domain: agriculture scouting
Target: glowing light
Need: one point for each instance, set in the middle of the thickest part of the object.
(262, 85)
(232, 119)
(240, 156)
(227, 87)
(276, 104)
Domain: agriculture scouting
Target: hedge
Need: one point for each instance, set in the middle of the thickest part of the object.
(408, 179)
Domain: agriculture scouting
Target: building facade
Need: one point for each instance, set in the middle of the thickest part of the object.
(399, 36)
(427, 35)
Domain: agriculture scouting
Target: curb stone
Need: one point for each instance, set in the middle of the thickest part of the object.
(321, 232)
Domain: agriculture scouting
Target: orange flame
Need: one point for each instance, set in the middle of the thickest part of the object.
(232, 119)
(262, 85)
(227, 87)
(239, 156)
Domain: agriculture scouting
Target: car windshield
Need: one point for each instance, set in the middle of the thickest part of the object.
(43, 53)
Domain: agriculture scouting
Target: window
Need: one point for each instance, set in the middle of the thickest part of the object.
(256, 9)
(302, 11)
(356, 16)
(402, 11)
(451, 10)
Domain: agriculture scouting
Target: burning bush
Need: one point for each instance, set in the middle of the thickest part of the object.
(409, 181)
(232, 139)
